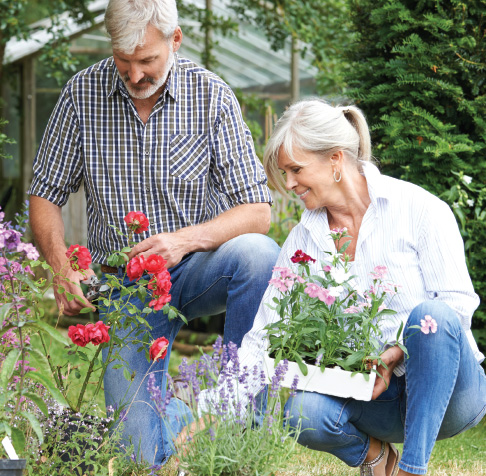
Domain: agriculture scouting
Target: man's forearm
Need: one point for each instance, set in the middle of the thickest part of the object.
(247, 218)
(48, 228)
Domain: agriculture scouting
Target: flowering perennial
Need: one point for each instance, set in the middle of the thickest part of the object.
(137, 222)
(79, 257)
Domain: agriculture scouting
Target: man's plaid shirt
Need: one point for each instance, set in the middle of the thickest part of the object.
(193, 159)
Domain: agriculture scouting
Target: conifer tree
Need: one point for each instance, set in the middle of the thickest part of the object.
(418, 71)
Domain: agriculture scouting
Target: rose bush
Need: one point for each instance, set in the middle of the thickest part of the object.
(80, 368)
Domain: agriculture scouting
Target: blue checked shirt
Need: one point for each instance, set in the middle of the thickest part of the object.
(191, 161)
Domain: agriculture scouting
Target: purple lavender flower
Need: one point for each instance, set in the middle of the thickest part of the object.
(318, 360)
(293, 388)
(278, 377)
(212, 435)
(155, 393)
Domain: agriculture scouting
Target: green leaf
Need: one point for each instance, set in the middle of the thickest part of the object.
(39, 361)
(51, 331)
(85, 310)
(4, 311)
(127, 374)
(49, 386)
(18, 440)
(34, 423)
(303, 368)
(26, 280)
(38, 401)
(8, 367)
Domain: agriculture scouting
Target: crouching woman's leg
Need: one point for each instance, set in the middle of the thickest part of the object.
(446, 386)
(324, 423)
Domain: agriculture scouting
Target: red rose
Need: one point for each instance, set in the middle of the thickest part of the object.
(79, 257)
(136, 267)
(160, 302)
(155, 264)
(79, 335)
(98, 333)
(137, 222)
(160, 283)
(301, 257)
(158, 349)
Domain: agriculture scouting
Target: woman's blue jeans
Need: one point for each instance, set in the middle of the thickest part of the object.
(442, 393)
(232, 278)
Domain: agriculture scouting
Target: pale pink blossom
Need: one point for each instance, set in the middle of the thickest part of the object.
(379, 272)
(352, 310)
(327, 268)
(279, 284)
(29, 250)
(312, 290)
(382, 307)
(428, 324)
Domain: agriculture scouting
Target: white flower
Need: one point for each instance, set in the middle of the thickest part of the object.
(336, 291)
(339, 275)
(466, 179)
(455, 205)
(470, 203)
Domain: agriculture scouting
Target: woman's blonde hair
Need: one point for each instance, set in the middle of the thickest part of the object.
(126, 21)
(313, 125)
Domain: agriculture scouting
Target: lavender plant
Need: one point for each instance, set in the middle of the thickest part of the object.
(233, 440)
(324, 321)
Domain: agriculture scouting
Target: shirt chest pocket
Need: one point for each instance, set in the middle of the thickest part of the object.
(189, 156)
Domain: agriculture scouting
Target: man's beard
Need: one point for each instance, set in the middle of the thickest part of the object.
(155, 84)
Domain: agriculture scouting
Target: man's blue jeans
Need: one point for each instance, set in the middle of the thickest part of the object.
(232, 278)
(443, 393)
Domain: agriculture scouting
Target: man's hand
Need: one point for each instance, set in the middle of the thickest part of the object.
(392, 357)
(171, 246)
(70, 280)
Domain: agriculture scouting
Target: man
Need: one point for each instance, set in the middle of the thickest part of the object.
(149, 131)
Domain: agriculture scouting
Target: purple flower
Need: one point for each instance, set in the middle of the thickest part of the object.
(295, 382)
(29, 249)
(9, 239)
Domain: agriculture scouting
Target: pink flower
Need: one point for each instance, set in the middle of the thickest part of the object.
(160, 302)
(428, 325)
(379, 272)
(351, 310)
(79, 335)
(312, 290)
(158, 348)
(327, 268)
(281, 284)
(136, 267)
(79, 257)
(315, 291)
(155, 264)
(98, 333)
(137, 222)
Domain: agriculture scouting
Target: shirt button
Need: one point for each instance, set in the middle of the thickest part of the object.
(147, 152)
(147, 189)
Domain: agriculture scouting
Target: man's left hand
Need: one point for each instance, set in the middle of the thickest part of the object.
(171, 246)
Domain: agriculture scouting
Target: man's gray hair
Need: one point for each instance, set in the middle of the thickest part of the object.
(126, 21)
(313, 125)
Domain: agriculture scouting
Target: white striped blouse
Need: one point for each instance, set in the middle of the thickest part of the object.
(405, 228)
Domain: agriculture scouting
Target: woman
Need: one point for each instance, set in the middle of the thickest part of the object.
(324, 153)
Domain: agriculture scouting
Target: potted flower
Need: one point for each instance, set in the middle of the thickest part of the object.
(32, 377)
(328, 330)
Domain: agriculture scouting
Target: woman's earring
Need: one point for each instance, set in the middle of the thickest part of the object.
(335, 175)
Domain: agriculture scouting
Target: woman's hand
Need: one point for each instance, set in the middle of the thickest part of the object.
(391, 357)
